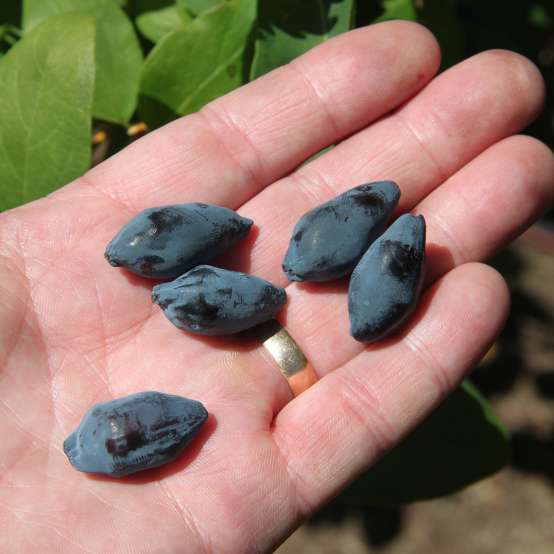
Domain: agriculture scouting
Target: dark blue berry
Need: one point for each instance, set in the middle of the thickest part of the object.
(328, 241)
(386, 284)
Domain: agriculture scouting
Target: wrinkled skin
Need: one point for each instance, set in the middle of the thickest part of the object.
(385, 286)
(76, 331)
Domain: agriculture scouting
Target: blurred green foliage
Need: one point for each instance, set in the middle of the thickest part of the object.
(46, 111)
(461, 442)
(68, 65)
(215, 43)
(288, 28)
(117, 51)
(155, 60)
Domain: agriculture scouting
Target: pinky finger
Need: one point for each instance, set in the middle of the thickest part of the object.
(342, 424)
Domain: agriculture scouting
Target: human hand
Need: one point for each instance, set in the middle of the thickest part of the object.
(75, 331)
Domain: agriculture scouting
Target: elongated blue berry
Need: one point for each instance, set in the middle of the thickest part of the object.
(168, 240)
(213, 301)
(137, 432)
(328, 241)
(385, 286)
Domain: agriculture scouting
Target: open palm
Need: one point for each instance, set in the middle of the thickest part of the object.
(75, 331)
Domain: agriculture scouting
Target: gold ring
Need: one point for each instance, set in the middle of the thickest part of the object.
(294, 366)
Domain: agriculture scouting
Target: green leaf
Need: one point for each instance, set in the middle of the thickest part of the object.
(156, 24)
(397, 9)
(118, 54)
(46, 86)
(196, 7)
(289, 28)
(461, 442)
(194, 65)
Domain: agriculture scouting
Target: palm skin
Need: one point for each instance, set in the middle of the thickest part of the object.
(76, 331)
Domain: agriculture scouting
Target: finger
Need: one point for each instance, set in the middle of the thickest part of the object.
(474, 213)
(342, 424)
(488, 203)
(241, 142)
(446, 125)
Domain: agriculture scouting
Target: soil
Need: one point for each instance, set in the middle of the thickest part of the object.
(513, 511)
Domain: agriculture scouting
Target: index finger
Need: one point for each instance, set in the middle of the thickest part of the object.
(242, 142)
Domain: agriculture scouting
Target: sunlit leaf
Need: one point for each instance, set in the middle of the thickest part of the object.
(118, 54)
(194, 65)
(46, 92)
(156, 24)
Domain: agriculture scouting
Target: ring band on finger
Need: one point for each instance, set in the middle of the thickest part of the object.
(292, 362)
